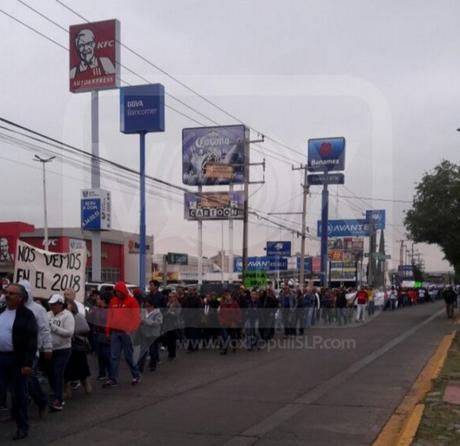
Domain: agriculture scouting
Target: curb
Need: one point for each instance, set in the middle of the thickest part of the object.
(402, 426)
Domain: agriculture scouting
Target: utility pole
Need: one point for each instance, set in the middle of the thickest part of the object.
(45, 210)
(247, 182)
(401, 252)
(306, 190)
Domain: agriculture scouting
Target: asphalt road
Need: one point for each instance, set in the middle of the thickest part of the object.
(335, 386)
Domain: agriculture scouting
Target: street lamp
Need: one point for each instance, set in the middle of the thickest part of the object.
(44, 161)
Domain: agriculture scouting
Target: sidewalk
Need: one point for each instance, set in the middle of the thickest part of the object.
(440, 424)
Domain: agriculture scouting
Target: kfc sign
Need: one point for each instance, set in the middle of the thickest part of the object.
(94, 56)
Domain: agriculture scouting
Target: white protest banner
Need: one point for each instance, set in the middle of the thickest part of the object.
(50, 272)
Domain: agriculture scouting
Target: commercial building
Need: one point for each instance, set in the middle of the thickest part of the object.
(119, 250)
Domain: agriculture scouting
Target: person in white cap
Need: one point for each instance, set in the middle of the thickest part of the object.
(62, 325)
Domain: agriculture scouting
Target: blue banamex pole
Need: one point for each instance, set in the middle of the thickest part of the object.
(142, 214)
(324, 235)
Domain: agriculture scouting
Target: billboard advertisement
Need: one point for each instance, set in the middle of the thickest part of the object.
(261, 264)
(142, 108)
(280, 249)
(94, 56)
(214, 155)
(346, 228)
(377, 218)
(346, 248)
(96, 210)
(326, 154)
(343, 271)
(214, 205)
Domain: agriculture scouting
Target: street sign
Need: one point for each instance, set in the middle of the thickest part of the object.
(346, 228)
(279, 249)
(174, 258)
(328, 178)
(255, 279)
(326, 154)
(94, 56)
(142, 108)
(377, 218)
(95, 210)
(308, 264)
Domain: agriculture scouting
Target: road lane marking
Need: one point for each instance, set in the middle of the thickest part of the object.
(253, 433)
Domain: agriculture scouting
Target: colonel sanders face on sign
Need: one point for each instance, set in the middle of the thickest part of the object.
(86, 46)
(90, 64)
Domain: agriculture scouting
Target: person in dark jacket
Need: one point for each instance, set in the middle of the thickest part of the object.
(253, 315)
(192, 309)
(450, 298)
(341, 305)
(18, 347)
(268, 307)
(97, 319)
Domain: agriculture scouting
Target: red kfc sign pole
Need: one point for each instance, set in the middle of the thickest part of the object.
(94, 56)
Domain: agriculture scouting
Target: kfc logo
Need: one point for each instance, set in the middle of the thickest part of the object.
(94, 56)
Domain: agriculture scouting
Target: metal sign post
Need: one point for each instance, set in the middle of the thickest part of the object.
(200, 245)
(142, 224)
(324, 235)
(95, 184)
(142, 111)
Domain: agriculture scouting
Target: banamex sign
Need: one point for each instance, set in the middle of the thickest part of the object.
(326, 154)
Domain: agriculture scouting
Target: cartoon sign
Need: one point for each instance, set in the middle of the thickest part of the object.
(214, 205)
(214, 155)
(94, 51)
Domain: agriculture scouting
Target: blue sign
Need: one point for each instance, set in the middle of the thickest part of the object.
(261, 264)
(346, 228)
(279, 249)
(326, 154)
(142, 108)
(307, 262)
(377, 218)
(91, 214)
(214, 155)
(328, 178)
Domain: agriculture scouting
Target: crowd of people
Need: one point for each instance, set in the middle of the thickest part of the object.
(47, 342)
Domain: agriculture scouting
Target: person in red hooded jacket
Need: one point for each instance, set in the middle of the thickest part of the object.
(123, 319)
(230, 320)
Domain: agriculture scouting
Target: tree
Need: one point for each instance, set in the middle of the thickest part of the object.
(435, 214)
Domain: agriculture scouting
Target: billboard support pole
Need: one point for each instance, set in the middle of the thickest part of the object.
(95, 184)
(200, 245)
(324, 236)
(245, 216)
(303, 235)
(230, 244)
(142, 225)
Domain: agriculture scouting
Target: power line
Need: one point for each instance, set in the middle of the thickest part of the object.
(187, 87)
(68, 147)
(274, 155)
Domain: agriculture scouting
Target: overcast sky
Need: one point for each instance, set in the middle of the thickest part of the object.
(381, 74)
